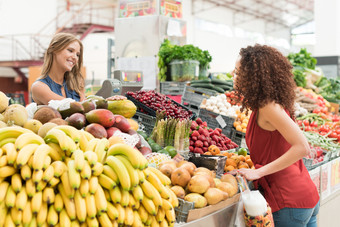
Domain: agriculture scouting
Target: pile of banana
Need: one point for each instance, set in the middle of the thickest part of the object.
(70, 178)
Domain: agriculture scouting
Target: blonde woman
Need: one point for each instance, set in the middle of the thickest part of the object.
(61, 77)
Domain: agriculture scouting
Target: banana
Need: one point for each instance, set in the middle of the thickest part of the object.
(16, 183)
(25, 153)
(137, 222)
(92, 222)
(26, 172)
(3, 190)
(104, 220)
(167, 205)
(39, 156)
(7, 140)
(93, 183)
(121, 171)
(156, 182)
(3, 161)
(148, 189)
(163, 178)
(52, 216)
(134, 177)
(21, 200)
(41, 186)
(65, 180)
(108, 171)
(137, 193)
(70, 131)
(125, 198)
(36, 202)
(53, 182)
(28, 138)
(136, 158)
(141, 176)
(79, 159)
(16, 216)
(30, 162)
(101, 202)
(107, 195)
(88, 135)
(27, 214)
(84, 188)
(11, 153)
(48, 195)
(106, 182)
(9, 221)
(68, 203)
(160, 215)
(3, 213)
(58, 203)
(73, 175)
(48, 174)
(143, 214)
(101, 148)
(83, 141)
(37, 176)
(91, 157)
(121, 214)
(149, 205)
(47, 162)
(154, 222)
(173, 198)
(64, 219)
(86, 172)
(10, 197)
(80, 206)
(56, 153)
(112, 212)
(164, 223)
(116, 195)
(59, 167)
(170, 216)
(149, 220)
(137, 205)
(128, 221)
(30, 188)
(12, 132)
(132, 201)
(66, 143)
(97, 169)
(91, 206)
(42, 215)
(91, 145)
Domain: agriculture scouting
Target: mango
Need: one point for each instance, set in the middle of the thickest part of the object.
(101, 116)
(96, 130)
(71, 108)
(122, 123)
(126, 108)
(77, 120)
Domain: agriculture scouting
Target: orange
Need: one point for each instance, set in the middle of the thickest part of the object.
(230, 162)
(246, 120)
(228, 168)
(239, 128)
(250, 162)
(236, 123)
(242, 158)
(244, 130)
(247, 156)
(244, 125)
(236, 158)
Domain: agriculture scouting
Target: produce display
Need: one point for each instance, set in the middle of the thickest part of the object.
(219, 104)
(214, 84)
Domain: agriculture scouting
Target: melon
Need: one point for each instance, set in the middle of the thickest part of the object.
(4, 101)
(126, 108)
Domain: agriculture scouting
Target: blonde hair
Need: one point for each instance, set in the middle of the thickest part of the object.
(74, 78)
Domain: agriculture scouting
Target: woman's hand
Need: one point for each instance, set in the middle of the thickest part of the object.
(249, 174)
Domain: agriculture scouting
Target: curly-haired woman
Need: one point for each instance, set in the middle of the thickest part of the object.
(263, 76)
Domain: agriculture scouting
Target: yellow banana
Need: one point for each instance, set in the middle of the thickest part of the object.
(64, 219)
(27, 138)
(66, 143)
(70, 131)
(141, 176)
(164, 223)
(39, 156)
(11, 153)
(42, 215)
(80, 206)
(9, 221)
(91, 206)
(12, 132)
(121, 171)
(41, 186)
(136, 158)
(104, 220)
(65, 180)
(30, 162)
(52, 216)
(121, 214)
(48, 195)
(3, 161)
(106, 182)
(93, 185)
(108, 171)
(137, 205)
(84, 188)
(97, 169)
(149, 205)
(167, 205)
(149, 220)
(30, 188)
(56, 153)
(128, 221)
(134, 177)
(156, 182)
(112, 212)
(107, 195)
(53, 182)
(47, 162)
(68, 203)
(59, 167)
(7, 171)
(16, 216)
(116, 195)
(73, 175)
(27, 214)
(26, 172)
(83, 141)
(91, 145)
(92, 222)
(48, 174)
(3, 213)
(160, 215)
(36, 202)
(37, 176)
(137, 222)
(170, 216)
(10, 197)
(25, 153)
(86, 172)
(101, 202)
(101, 148)
(125, 198)
(21, 200)
(163, 178)
(79, 159)
(137, 193)
(173, 198)
(3, 190)
(91, 157)
(88, 135)
(7, 140)
(16, 183)
(143, 214)
(132, 201)
(148, 189)
(58, 203)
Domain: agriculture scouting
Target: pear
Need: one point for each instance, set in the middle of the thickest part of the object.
(199, 200)
(217, 181)
(230, 179)
(189, 166)
(228, 188)
(198, 184)
(167, 169)
(181, 177)
(179, 191)
(215, 195)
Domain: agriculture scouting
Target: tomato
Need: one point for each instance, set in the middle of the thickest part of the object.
(308, 128)
(313, 124)
(324, 128)
(316, 111)
(322, 133)
(333, 135)
(337, 131)
(299, 122)
(305, 122)
(227, 94)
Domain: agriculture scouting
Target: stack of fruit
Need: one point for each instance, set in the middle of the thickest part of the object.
(241, 121)
(69, 177)
(238, 160)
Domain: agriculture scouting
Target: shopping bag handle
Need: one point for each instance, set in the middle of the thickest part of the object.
(242, 183)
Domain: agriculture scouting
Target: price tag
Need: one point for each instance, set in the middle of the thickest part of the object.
(221, 121)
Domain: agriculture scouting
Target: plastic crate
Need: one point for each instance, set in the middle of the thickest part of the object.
(212, 162)
(194, 96)
(172, 88)
(238, 137)
(182, 210)
(147, 122)
(215, 120)
(141, 107)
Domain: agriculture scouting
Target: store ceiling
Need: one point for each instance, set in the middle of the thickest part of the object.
(285, 13)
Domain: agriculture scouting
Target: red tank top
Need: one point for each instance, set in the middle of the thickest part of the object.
(291, 187)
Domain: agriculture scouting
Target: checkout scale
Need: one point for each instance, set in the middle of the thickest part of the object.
(122, 82)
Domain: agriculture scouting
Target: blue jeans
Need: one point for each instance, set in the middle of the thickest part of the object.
(296, 217)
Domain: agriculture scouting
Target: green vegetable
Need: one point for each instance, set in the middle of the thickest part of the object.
(299, 78)
(303, 59)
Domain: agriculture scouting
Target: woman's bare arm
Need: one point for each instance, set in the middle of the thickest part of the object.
(42, 94)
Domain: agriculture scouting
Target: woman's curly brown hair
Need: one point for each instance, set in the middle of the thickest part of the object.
(265, 76)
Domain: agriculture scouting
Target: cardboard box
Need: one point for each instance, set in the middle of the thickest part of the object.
(201, 212)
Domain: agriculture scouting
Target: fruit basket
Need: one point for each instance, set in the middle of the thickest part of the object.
(212, 162)
(182, 210)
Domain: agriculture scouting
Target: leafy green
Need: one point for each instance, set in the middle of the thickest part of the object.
(329, 89)
(303, 59)
(300, 78)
